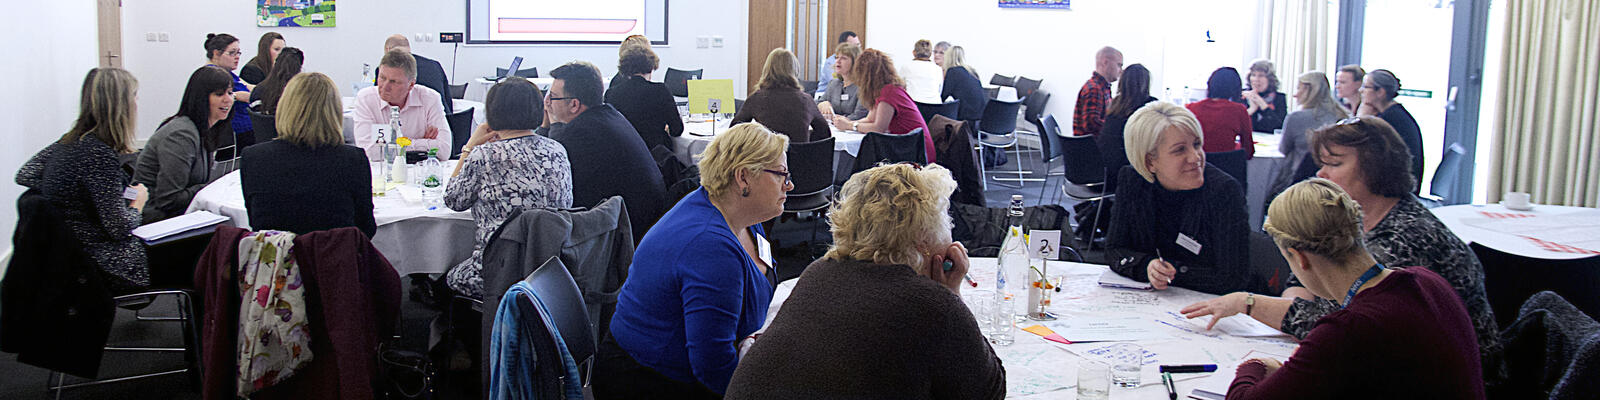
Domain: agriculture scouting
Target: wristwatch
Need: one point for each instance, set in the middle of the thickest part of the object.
(1249, 302)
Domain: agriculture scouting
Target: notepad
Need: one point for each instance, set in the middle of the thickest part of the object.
(1215, 387)
(1110, 279)
(162, 229)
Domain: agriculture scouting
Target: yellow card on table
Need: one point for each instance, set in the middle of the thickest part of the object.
(706, 94)
(1040, 330)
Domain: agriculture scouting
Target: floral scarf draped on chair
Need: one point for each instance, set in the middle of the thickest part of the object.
(274, 339)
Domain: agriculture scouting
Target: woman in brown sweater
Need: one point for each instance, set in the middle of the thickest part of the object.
(880, 316)
(780, 105)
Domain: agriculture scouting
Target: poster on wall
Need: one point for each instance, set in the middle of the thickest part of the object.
(1049, 4)
(308, 13)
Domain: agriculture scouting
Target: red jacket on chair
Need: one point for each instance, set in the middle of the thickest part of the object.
(353, 302)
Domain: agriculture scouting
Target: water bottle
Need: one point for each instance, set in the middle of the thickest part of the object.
(1009, 282)
(432, 180)
(397, 173)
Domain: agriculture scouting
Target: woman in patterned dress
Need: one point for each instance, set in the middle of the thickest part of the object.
(513, 169)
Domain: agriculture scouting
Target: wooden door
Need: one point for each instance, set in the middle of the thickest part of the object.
(110, 26)
(768, 26)
(846, 15)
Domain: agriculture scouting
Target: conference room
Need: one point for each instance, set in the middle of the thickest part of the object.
(618, 199)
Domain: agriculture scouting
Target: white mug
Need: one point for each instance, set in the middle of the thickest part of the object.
(1516, 200)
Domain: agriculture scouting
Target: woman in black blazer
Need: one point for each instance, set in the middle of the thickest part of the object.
(649, 106)
(307, 179)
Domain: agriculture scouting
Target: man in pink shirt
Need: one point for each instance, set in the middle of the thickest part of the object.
(421, 113)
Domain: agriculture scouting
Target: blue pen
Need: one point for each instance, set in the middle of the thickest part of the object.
(1189, 369)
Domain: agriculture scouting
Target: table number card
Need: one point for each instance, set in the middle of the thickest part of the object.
(1044, 244)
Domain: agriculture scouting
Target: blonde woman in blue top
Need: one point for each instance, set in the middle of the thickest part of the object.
(698, 281)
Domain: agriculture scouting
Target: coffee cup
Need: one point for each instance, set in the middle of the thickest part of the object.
(1516, 201)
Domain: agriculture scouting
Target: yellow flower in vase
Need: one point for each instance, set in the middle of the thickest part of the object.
(403, 141)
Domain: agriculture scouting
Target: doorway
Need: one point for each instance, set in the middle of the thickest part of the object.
(110, 25)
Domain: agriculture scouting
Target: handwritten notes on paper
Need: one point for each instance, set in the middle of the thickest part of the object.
(1135, 298)
(1114, 329)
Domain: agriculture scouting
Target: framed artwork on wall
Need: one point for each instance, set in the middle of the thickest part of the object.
(291, 13)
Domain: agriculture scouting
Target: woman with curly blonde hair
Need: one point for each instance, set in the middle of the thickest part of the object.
(880, 316)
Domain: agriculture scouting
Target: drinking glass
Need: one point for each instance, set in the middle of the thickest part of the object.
(1094, 381)
(1127, 363)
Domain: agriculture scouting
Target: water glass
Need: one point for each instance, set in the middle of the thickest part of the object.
(1127, 364)
(1094, 381)
(380, 177)
(981, 304)
(1005, 325)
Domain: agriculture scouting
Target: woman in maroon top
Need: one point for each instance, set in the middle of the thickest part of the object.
(1225, 122)
(1402, 333)
(890, 109)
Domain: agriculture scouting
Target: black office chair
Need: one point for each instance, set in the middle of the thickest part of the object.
(997, 130)
(1002, 80)
(460, 131)
(1049, 132)
(561, 298)
(1510, 279)
(1026, 87)
(525, 73)
(1267, 266)
(947, 109)
(878, 147)
(458, 91)
(1445, 177)
(1233, 163)
(1083, 177)
(811, 170)
(265, 126)
(677, 80)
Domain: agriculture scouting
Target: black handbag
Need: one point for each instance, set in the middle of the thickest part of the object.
(405, 375)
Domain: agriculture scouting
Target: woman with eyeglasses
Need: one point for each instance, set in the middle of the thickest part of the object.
(700, 277)
(880, 316)
(177, 161)
(222, 51)
(1367, 159)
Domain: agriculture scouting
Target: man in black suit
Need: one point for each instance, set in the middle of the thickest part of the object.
(607, 155)
(430, 73)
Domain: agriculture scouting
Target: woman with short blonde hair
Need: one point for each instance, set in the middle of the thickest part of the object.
(779, 103)
(897, 276)
(307, 179)
(1177, 220)
(700, 277)
(1398, 333)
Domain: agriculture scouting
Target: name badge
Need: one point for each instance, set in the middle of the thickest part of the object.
(764, 250)
(1188, 243)
(844, 97)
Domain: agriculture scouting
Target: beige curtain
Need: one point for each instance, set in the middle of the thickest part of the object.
(1295, 39)
(1545, 138)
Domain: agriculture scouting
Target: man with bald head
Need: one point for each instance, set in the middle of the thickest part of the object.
(430, 73)
(1090, 114)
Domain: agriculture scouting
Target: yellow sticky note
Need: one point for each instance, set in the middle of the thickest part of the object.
(705, 93)
(1040, 330)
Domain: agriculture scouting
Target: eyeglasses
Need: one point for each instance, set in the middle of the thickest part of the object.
(234, 53)
(1349, 121)
(783, 174)
(554, 98)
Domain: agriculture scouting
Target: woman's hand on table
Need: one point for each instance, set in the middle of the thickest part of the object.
(1218, 308)
(957, 255)
(839, 121)
(1160, 273)
(141, 195)
(1271, 364)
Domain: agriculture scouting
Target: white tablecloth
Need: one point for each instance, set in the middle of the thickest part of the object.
(413, 238)
(697, 134)
(459, 104)
(1456, 218)
(1261, 170)
(478, 88)
(1040, 369)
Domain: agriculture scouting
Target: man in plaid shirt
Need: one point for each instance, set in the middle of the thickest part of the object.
(1090, 114)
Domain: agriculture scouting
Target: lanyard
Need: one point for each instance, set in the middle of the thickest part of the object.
(1367, 276)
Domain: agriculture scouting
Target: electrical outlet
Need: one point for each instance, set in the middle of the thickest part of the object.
(165, 37)
(716, 41)
(702, 42)
(149, 36)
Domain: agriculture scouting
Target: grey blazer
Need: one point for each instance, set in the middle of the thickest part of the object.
(174, 165)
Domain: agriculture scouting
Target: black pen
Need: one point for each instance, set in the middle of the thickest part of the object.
(1172, 392)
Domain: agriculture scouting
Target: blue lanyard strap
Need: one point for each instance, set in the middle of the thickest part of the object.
(1367, 276)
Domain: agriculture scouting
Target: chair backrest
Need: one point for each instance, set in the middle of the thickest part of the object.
(458, 91)
(948, 109)
(1026, 87)
(810, 87)
(1446, 176)
(1082, 154)
(811, 166)
(999, 117)
(525, 73)
(677, 80)
(879, 147)
(1233, 163)
(460, 130)
(1051, 126)
(1268, 268)
(564, 301)
(1510, 279)
(993, 92)
(265, 125)
(1002, 80)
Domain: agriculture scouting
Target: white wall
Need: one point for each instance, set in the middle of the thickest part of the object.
(1167, 36)
(60, 46)
(164, 68)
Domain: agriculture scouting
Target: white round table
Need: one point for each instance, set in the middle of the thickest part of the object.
(459, 104)
(1521, 232)
(413, 238)
(478, 88)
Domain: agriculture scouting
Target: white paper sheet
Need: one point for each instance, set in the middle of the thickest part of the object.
(1215, 387)
(1110, 279)
(179, 224)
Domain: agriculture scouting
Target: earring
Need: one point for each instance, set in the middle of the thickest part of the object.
(745, 193)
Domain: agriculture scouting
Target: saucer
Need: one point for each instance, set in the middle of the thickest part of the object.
(1525, 207)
